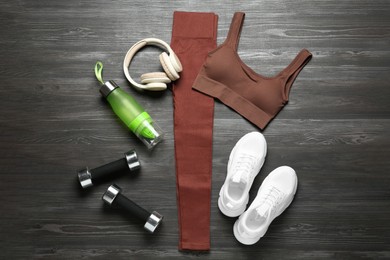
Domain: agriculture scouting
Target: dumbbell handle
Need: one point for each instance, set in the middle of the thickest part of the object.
(131, 207)
(88, 178)
(112, 169)
(113, 197)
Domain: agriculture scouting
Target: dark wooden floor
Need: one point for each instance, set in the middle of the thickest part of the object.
(334, 132)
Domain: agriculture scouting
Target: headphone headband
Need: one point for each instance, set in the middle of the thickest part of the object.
(135, 48)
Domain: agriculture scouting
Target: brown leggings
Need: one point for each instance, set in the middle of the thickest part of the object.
(193, 36)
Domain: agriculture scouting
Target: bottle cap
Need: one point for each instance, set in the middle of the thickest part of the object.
(108, 87)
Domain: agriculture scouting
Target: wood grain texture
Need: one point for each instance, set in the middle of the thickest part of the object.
(333, 132)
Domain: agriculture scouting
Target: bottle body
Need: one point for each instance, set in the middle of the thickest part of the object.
(134, 116)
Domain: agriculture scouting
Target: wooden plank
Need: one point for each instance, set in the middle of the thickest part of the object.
(333, 132)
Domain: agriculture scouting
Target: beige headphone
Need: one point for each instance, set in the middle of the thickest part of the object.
(154, 81)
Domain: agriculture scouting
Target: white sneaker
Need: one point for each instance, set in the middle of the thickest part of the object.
(245, 162)
(274, 196)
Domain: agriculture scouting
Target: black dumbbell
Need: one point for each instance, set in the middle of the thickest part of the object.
(113, 197)
(88, 178)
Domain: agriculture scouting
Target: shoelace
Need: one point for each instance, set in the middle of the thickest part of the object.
(272, 198)
(244, 168)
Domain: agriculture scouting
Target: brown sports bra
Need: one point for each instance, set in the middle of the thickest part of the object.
(257, 98)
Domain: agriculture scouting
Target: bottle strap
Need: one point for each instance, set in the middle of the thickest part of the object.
(99, 71)
(233, 36)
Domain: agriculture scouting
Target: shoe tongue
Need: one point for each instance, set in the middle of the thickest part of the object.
(262, 211)
(238, 177)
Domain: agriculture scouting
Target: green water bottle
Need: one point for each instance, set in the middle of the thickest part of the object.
(130, 112)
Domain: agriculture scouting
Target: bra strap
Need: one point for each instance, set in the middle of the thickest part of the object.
(233, 36)
(290, 73)
(298, 63)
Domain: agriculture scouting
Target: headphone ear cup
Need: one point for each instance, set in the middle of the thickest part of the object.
(168, 67)
(154, 77)
(156, 86)
(155, 81)
(175, 62)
